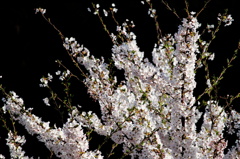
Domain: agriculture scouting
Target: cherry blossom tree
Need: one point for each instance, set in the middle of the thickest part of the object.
(152, 113)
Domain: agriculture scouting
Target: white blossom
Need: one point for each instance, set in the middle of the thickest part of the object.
(14, 143)
(88, 9)
(64, 75)
(2, 157)
(44, 80)
(115, 10)
(192, 13)
(211, 57)
(151, 113)
(210, 27)
(105, 12)
(152, 12)
(58, 72)
(227, 19)
(209, 83)
(46, 101)
(41, 10)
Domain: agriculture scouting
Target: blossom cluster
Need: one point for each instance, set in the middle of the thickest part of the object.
(227, 19)
(97, 6)
(15, 142)
(66, 142)
(44, 81)
(41, 10)
(152, 113)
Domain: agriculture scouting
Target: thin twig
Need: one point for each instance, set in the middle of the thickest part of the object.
(205, 5)
(220, 77)
(63, 39)
(158, 29)
(102, 22)
(114, 19)
(60, 63)
(169, 8)
(187, 7)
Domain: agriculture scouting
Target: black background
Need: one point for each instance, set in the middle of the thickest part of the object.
(29, 45)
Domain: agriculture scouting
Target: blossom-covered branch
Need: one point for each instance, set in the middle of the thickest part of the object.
(152, 112)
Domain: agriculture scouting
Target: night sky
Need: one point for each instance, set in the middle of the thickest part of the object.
(30, 45)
